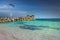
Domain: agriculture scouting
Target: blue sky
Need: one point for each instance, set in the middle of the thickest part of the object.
(39, 8)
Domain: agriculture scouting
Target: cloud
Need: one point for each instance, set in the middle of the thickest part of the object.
(9, 13)
(20, 12)
(14, 11)
(5, 6)
(4, 11)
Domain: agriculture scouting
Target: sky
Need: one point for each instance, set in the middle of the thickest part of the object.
(39, 8)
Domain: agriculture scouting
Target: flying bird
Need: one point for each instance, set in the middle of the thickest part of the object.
(12, 5)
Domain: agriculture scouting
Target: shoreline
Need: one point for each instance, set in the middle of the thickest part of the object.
(22, 34)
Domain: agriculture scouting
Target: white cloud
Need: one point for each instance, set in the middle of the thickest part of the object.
(20, 12)
(5, 6)
(4, 11)
(15, 11)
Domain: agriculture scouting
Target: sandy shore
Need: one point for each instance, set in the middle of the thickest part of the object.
(22, 34)
(5, 35)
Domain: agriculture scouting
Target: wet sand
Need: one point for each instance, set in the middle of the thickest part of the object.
(23, 34)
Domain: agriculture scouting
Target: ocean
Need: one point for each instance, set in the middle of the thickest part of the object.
(39, 29)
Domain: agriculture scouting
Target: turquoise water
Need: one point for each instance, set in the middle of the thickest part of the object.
(47, 30)
(33, 25)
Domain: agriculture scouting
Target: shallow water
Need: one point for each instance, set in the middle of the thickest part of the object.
(30, 30)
